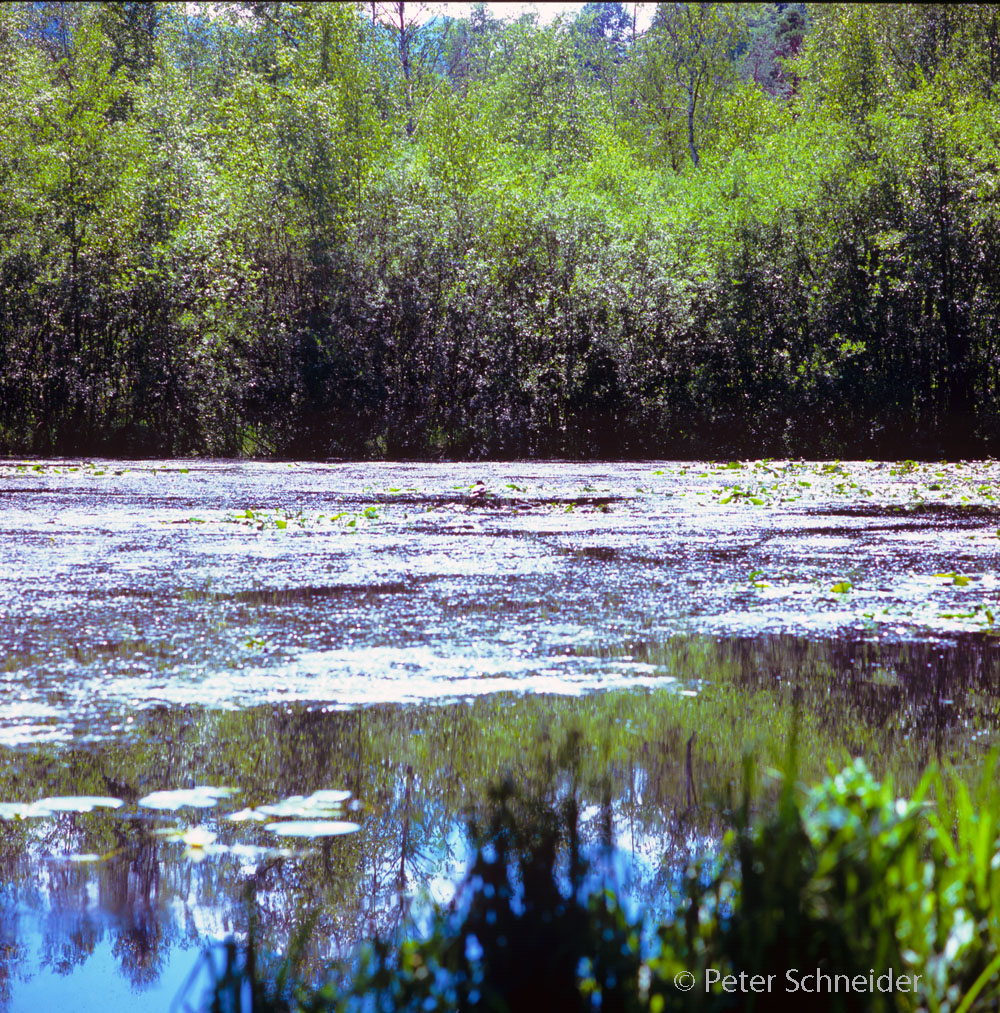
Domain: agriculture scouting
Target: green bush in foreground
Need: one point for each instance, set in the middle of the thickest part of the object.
(843, 881)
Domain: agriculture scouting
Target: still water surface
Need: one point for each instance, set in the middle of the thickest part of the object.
(402, 633)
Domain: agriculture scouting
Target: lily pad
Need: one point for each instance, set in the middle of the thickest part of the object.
(958, 579)
(314, 806)
(247, 816)
(22, 811)
(330, 796)
(79, 858)
(201, 797)
(78, 803)
(199, 841)
(312, 828)
(254, 852)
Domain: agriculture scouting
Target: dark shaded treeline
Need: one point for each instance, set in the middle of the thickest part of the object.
(313, 230)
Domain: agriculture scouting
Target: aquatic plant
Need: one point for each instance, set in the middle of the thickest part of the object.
(45, 807)
(279, 519)
(202, 796)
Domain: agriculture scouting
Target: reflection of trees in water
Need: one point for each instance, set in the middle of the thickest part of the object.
(656, 790)
(357, 887)
(69, 931)
(360, 887)
(13, 952)
(134, 898)
(932, 693)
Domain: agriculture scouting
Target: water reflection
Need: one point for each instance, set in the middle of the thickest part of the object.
(654, 771)
(879, 699)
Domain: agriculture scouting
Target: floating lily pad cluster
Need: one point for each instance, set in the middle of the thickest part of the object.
(45, 808)
(279, 519)
(315, 815)
(910, 485)
(261, 519)
(201, 797)
(298, 816)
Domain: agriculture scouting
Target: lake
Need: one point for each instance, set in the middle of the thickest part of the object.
(411, 634)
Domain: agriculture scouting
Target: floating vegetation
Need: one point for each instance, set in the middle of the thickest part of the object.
(247, 816)
(312, 828)
(955, 579)
(79, 803)
(741, 495)
(202, 797)
(306, 816)
(201, 842)
(22, 811)
(198, 837)
(302, 816)
(317, 806)
(46, 807)
(276, 519)
(981, 614)
(906, 485)
(279, 519)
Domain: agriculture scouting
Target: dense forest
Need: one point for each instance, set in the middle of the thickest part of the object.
(374, 230)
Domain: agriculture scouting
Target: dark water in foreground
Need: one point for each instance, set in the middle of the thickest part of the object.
(390, 631)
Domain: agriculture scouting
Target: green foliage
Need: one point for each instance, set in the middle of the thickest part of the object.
(310, 229)
(849, 879)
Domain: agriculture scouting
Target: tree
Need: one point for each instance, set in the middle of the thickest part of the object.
(473, 46)
(776, 38)
(603, 31)
(420, 45)
(680, 69)
(698, 43)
